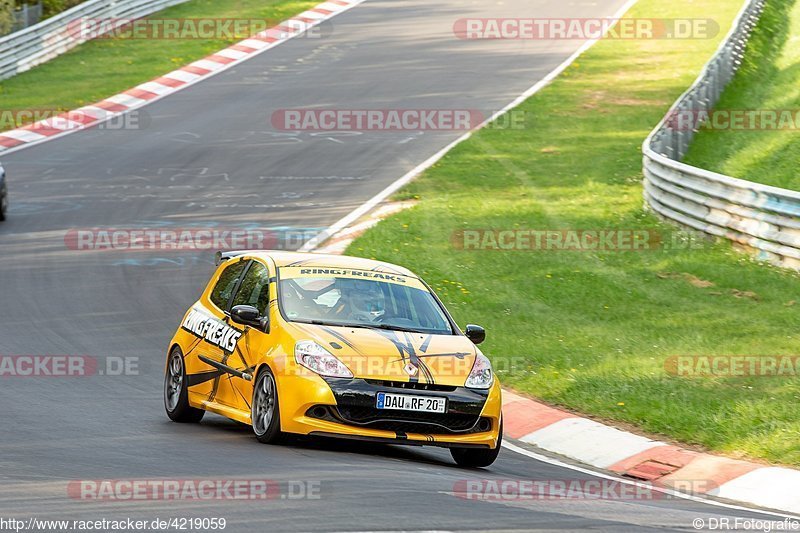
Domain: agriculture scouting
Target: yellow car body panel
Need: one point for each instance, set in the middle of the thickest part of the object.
(375, 358)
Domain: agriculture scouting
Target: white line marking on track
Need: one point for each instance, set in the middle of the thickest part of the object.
(366, 207)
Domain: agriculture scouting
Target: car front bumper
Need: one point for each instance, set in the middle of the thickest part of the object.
(311, 405)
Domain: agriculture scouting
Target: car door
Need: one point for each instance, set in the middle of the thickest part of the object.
(254, 290)
(217, 338)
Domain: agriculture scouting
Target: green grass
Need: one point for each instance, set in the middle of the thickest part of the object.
(101, 68)
(591, 331)
(768, 80)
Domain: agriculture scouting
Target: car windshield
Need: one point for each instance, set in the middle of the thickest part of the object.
(360, 298)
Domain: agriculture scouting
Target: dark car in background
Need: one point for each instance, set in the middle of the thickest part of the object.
(3, 193)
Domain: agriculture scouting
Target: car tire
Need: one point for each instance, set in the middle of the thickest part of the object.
(176, 393)
(265, 414)
(477, 457)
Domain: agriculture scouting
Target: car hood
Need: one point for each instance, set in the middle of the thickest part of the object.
(397, 355)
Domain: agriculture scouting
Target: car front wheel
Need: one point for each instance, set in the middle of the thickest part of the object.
(477, 457)
(265, 415)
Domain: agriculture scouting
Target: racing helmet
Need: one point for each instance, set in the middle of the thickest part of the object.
(365, 297)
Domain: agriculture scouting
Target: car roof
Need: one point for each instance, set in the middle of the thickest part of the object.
(283, 258)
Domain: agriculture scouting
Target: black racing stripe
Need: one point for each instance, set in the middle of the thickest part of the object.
(419, 363)
(241, 354)
(427, 371)
(407, 349)
(202, 377)
(298, 263)
(195, 343)
(215, 387)
(390, 336)
(384, 268)
(248, 368)
(238, 392)
(424, 346)
(341, 337)
(460, 355)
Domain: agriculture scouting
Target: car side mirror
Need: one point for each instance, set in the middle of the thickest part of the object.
(475, 333)
(249, 316)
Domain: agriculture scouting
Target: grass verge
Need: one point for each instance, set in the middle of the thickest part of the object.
(593, 331)
(769, 80)
(101, 68)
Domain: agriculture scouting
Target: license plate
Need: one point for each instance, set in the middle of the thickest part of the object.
(407, 402)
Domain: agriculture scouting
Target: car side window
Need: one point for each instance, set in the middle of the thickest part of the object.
(254, 289)
(222, 291)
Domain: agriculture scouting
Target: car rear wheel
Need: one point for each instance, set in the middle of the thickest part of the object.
(265, 415)
(176, 394)
(477, 457)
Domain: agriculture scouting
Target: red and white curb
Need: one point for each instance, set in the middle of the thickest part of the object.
(172, 82)
(640, 458)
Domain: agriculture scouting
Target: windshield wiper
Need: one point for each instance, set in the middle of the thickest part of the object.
(387, 327)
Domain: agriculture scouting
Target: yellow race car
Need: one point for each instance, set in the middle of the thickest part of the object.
(333, 346)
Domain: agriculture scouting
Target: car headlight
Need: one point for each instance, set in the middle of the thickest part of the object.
(481, 376)
(317, 359)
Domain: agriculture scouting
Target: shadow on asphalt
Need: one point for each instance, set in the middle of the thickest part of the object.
(327, 444)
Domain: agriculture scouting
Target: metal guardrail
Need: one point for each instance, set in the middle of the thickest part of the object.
(760, 218)
(32, 46)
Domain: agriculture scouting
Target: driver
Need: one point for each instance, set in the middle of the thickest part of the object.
(361, 300)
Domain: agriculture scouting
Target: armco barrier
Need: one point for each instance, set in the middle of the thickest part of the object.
(760, 218)
(27, 48)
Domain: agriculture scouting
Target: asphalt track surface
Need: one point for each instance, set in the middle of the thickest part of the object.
(209, 157)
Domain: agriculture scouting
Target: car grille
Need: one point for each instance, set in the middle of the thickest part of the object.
(411, 385)
(401, 421)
